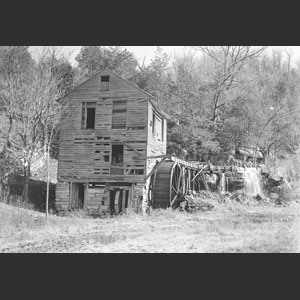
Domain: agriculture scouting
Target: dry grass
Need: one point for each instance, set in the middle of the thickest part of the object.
(228, 228)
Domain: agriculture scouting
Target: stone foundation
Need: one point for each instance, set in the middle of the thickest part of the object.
(102, 198)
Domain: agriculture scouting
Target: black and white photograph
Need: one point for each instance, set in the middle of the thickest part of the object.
(150, 149)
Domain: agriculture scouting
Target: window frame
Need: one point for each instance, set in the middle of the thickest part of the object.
(156, 120)
(104, 87)
(84, 114)
(112, 163)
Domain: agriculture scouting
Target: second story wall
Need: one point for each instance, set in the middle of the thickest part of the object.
(105, 130)
(157, 135)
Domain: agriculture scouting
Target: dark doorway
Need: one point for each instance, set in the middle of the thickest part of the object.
(81, 195)
(78, 195)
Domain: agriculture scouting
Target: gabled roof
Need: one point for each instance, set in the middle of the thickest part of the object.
(151, 97)
(112, 72)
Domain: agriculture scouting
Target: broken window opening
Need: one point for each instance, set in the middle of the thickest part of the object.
(78, 195)
(88, 115)
(105, 83)
(157, 127)
(90, 118)
(153, 123)
(162, 130)
(135, 172)
(117, 155)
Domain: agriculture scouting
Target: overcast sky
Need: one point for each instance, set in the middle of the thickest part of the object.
(147, 52)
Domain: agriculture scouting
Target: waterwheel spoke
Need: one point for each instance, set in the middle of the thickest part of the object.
(179, 183)
(179, 179)
(174, 189)
(176, 176)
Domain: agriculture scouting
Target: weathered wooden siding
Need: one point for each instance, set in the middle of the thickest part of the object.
(154, 146)
(82, 151)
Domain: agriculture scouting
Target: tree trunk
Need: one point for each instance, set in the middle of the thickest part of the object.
(48, 180)
(26, 184)
(8, 144)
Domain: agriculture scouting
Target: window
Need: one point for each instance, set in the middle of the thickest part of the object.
(119, 114)
(117, 152)
(136, 172)
(153, 123)
(157, 127)
(88, 115)
(105, 83)
(162, 130)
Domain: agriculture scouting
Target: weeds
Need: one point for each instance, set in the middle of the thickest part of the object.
(243, 228)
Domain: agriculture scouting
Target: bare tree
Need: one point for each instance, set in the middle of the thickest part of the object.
(33, 111)
(289, 53)
(225, 67)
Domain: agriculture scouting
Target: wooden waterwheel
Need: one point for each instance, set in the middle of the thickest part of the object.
(166, 183)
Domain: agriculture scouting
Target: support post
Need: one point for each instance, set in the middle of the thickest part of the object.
(71, 195)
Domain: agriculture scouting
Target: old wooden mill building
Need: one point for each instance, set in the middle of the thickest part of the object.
(111, 143)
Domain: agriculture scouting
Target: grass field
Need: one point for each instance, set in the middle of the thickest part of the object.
(227, 228)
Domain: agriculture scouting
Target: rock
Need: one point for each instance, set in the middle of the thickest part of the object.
(258, 197)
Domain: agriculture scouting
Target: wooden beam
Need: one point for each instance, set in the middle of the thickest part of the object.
(85, 197)
(191, 200)
(173, 200)
(198, 173)
(175, 197)
(137, 152)
(205, 183)
(116, 167)
(111, 179)
(155, 168)
(152, 157)
(158, 156)
(71, 195)
(130, 194)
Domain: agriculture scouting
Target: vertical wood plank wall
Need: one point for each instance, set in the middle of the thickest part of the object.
(83, 152)
(154, 146)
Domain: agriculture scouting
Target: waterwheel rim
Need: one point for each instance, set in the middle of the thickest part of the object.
(177, 182)
(171, 178)
(151, 190)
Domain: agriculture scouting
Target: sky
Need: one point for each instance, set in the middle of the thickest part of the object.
(147, 52)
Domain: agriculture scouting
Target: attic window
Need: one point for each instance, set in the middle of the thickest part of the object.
(105, 83)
